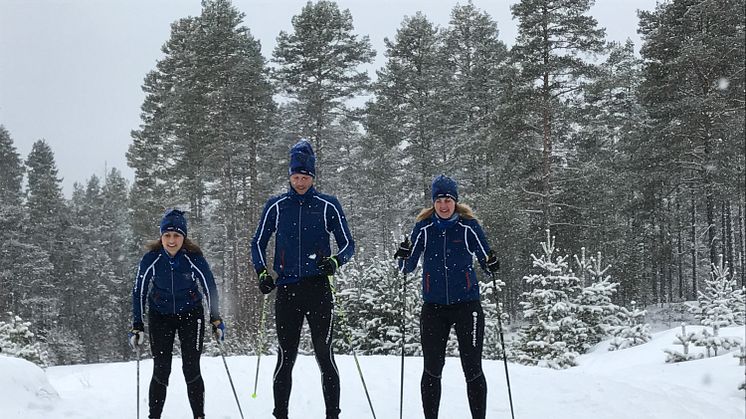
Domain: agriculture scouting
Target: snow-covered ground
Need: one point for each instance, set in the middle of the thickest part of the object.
(633, 383)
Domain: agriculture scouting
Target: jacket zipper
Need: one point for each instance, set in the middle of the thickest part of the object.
(173, 294)
(445, 265)
(300, 256)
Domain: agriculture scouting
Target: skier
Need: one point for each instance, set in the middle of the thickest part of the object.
(169, 279)
(302, 220)
(447, 236)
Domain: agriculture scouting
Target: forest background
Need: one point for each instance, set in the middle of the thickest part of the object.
(639, 157)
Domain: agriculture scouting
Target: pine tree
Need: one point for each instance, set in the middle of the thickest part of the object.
(492, 348)
(317, 67)
(17, 340)
(554, 334)
(721, 303)
(11, 218)
(407, 114)
(121, 248)
(602, 192)
(684, 339)
(371, 297)
(630, 330)
(693, 89)
(99, 296)
(553, 37)
(713, 342)
(595, 309)
(46, 228)
(476, 58)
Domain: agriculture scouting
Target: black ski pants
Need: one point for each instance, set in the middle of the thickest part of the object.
(191, 329)
(435, 326)
(311, 298)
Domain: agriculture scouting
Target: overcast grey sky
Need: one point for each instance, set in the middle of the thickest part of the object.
(71, 70)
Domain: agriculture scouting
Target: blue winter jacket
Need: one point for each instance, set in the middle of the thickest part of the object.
(172, 285)
(448, 248)
(302, 225)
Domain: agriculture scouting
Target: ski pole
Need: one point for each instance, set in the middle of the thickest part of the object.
(403, 341)
(261, 344)
(346, 333)
(403, 325)
(502, 342)
(230, 379)
(137, 352)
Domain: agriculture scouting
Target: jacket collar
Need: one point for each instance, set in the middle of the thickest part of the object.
(443, 224)
(174, 261)
(301, 198)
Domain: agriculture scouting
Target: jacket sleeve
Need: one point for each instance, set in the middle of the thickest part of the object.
(207, 281)
(417, 238)
(145, 273)
(477, 242)
(267, 226)
(337, 223)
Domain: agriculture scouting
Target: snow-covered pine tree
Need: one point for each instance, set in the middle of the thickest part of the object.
(475, 58)
(631, 329)
(17, 340)
(492, 348)
(408, 107)
(553, 39)
(371, 297)
(553, 332)
(684, 339)
(238, 115)
(713, 342)
(46, 227)
(121, 248)
(317, 66)
(595, 309)
(19, 256)
(721, 302)
(694, 130)
(99, 296)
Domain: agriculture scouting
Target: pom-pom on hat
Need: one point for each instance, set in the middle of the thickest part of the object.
(174, 220)
(444, 187)
(302, 159)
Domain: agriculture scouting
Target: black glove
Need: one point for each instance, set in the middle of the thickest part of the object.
(327, 265)
(266, 282)
(136, 336)
(493, 265)
(404, 251)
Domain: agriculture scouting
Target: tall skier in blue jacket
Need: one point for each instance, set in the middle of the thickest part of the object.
(448, 237)
(302, 220)
(172, 282)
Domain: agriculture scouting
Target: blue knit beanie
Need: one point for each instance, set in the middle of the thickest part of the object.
(174, 220)
(302, 159)
(444, 187)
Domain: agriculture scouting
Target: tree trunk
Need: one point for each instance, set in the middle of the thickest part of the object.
(654, 259)
(679, 246)
(547, 127)
(729, 248)
(693, 295)
(742, 244)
